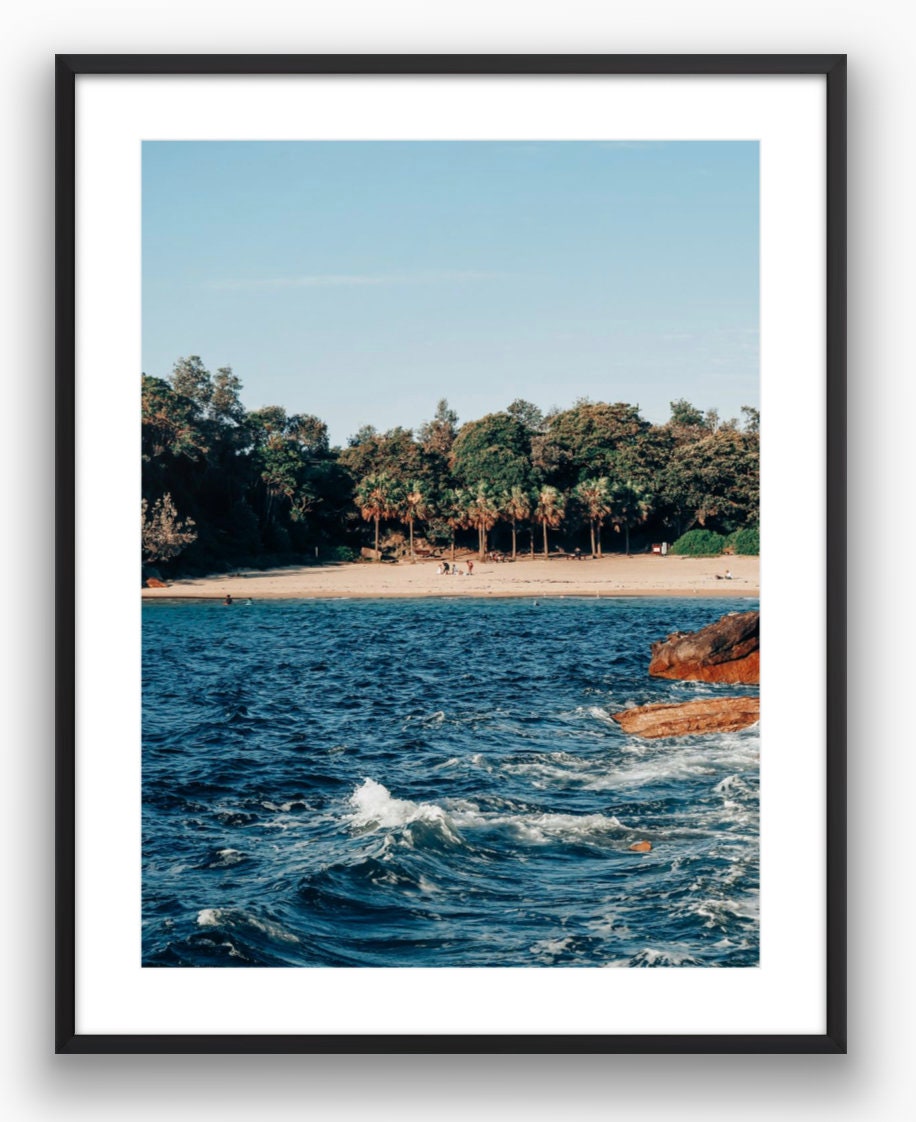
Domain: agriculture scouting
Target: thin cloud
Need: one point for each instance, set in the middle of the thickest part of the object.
(352, 280)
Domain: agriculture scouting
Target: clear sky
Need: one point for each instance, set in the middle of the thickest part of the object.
(364, 281)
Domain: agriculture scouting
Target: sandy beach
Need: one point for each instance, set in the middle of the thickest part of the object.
(643, 575)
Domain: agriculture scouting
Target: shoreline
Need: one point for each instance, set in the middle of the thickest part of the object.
(615, 577)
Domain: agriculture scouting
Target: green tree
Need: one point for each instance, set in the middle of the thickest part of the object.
(495, 449)
(170, 423)
(282, 460)
(377, 498)
(551, 506)
(595, 497)
(191, 379)
(587, 441)
(453, 507)
(225, 406)
(528, 415)
(394, 453)
(714, 481)
(685, 415)
(629, 506)
(516, 505)
(415, 504)
(751, 419)
(438, 435)
(483, 513)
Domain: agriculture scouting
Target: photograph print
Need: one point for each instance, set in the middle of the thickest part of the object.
(450, 554)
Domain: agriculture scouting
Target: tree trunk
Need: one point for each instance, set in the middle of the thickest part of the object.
(599, 537)
(483, 541)
(378, 556)
(626, 536)
(532, 539)
(544, 524)
(453, 543)
(412, 558)
(513, 539)
(591, 527)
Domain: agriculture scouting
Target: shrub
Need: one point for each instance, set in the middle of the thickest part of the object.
(745, 541)
(339, 553)
(699, 543)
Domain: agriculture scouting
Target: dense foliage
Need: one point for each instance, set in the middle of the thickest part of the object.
(224, 486)
(699, 543)
(746, 541)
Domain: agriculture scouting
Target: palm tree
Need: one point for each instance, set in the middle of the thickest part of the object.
(483, 512)
(376, 497)
(415, 505)
(516, 506)
(454, 509)
(595, 496)
(551, 507)
(630, 506)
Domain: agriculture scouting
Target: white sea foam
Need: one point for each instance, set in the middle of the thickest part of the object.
(538, 829)
(655, 956)
(731, 784)
(641, 764)
(228, 856)
(720, 912)
(232, 917)
(374, 807)
(609, 924)
(551, 947)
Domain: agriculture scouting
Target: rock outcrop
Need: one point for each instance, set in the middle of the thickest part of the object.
(725, 651)
(709, 714)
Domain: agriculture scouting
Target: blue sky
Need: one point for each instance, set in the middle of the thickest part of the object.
(364, 281)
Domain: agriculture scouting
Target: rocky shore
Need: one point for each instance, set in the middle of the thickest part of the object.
(716, 714)
(725, 651)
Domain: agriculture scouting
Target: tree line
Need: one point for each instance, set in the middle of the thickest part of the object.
(224, 486)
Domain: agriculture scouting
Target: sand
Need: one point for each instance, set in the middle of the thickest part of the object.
(643, 575)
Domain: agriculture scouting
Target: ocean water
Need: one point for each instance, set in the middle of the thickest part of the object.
(437, 783)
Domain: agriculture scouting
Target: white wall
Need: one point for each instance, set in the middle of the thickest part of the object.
(875, 1080)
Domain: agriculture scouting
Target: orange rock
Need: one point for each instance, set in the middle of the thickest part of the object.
(152, 582)
(709, 714)
(641, 847)
(725, 651)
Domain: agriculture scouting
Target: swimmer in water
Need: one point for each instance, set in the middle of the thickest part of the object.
(228, 599)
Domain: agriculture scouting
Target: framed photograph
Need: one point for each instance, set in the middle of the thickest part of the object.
(436, 437)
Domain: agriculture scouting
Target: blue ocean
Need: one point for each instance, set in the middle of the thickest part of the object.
(437, 782)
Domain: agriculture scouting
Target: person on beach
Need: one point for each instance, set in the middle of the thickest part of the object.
(470, 567)
(445, 568)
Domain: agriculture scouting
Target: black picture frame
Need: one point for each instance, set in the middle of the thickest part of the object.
(832, 68)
